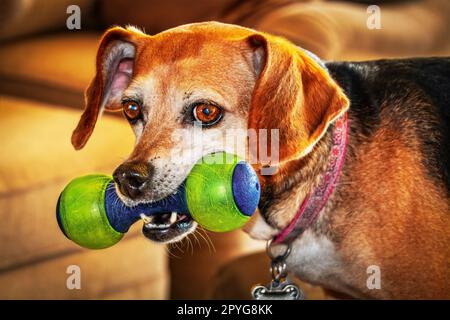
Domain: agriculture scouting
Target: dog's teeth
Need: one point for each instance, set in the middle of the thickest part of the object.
(157, 226)
(173, 217)
(146, 219)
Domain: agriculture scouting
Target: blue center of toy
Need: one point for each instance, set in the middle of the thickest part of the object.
(244, 195)
(122, 217)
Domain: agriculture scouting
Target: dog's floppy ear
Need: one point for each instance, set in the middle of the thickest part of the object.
(294, 94)
(114, 69)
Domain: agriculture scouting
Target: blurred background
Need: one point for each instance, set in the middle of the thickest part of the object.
(44, 69)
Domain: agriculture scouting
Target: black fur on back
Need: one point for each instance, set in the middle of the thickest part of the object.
(407, 91)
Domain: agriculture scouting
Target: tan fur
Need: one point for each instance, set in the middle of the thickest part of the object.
(402, 223)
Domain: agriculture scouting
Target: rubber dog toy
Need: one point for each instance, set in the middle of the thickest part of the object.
(219, 197)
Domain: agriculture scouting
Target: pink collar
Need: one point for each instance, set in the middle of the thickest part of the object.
(315, 201)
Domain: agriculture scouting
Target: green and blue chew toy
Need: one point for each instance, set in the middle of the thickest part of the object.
(218, 196)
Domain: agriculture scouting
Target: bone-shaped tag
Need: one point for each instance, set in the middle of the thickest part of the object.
(281, 291)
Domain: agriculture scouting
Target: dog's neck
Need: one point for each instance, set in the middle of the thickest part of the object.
(296, 180)
(317, 199)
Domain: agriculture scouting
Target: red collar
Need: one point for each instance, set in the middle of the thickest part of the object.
(315, 201)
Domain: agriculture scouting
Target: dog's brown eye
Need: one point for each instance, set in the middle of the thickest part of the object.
(207, 114)
(132, 109)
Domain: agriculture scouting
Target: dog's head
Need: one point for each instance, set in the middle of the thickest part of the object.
(201, 80)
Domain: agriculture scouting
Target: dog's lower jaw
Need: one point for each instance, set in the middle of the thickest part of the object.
(173, 233)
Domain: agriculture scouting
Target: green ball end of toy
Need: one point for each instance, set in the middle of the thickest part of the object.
(209, 193)
(81, 213)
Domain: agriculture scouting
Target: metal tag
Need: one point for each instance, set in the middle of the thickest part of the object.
(280, 288)
(284, 290)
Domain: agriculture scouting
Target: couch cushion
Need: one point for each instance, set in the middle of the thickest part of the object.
(210, 251)
(24, 17)
(155, 16)
(37, 162)
(65, 60)
(132, 269)
(36, 141)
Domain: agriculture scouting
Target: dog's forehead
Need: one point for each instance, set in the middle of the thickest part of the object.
(189, 43)
(185, 63)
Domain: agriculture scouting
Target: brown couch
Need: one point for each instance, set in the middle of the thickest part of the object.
(36, 163)
(42, 76)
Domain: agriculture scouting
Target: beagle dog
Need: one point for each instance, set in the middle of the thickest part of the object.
(362, 178)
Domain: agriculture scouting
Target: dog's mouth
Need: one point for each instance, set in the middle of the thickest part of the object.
(167, 226)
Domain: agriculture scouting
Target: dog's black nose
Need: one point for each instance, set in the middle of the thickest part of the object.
(132, 178)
